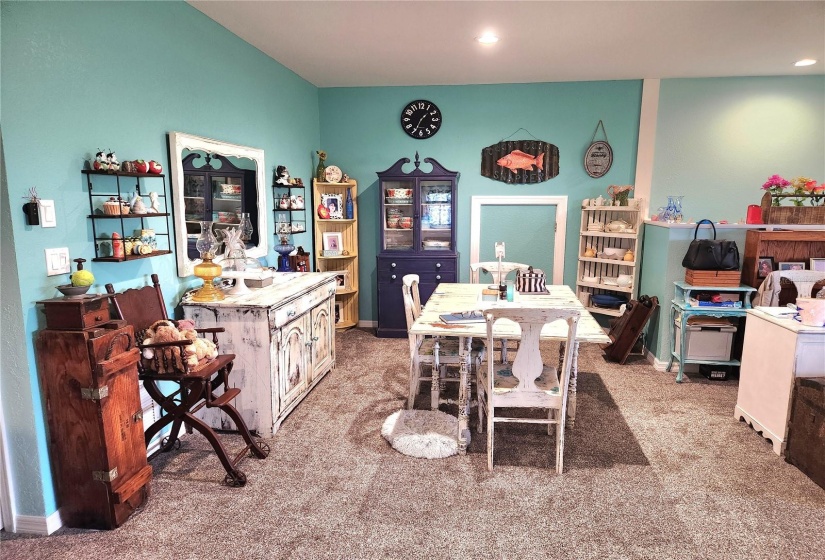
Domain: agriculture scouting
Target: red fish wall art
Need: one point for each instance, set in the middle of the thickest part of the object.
(520, 161)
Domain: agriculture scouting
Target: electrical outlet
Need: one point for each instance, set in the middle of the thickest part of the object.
(499, 249)
(57, 261)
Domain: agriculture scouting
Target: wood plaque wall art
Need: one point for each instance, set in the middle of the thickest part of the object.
(599, 156)
(520, 161)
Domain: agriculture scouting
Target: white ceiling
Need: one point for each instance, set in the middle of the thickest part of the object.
(430, 42)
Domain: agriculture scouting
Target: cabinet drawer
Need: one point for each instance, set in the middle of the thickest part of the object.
(289, 311)
(427, 269)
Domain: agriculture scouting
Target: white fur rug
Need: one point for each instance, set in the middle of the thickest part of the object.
(428, 434)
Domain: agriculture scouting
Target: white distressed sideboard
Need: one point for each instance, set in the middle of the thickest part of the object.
(283, 338)
(775, 351)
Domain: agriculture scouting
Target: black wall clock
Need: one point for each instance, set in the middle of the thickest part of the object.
(421, 119)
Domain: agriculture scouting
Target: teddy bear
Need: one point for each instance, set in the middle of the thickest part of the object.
(171, 359)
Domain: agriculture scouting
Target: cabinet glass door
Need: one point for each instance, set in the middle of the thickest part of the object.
(398, 215)
(226, 200)
(436, 215)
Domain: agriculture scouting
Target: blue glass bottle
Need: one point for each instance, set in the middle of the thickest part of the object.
(349, 210)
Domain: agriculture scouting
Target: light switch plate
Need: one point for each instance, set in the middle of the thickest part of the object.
(47, 215)
(57, 261)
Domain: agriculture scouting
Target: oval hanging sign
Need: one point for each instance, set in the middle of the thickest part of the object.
(598, 159)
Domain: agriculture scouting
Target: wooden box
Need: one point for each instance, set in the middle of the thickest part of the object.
(791, 214)
(76, 313)
(728, 278)
(806, 431)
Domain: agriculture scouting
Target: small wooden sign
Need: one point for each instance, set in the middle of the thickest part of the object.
(520, 161)
(598, 159)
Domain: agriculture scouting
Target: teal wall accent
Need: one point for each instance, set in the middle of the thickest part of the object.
(361, 133)
(78, 76)
(719, 139)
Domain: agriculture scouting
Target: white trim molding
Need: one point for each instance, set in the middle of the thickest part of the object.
(560, 202)
(647, 143)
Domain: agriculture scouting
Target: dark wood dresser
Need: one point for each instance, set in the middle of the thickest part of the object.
(88, 375)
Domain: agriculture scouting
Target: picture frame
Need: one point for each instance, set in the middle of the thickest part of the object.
(764, 266)
(795, 265)
(817, 264)
(342, 280)
(334, 204)
(333, 243)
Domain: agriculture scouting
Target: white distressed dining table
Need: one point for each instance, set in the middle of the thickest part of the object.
(456, 298)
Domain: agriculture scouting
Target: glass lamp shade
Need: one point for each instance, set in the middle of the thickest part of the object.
(207, 243)
(246, 227)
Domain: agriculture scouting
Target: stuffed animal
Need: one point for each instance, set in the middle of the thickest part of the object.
(171, 361)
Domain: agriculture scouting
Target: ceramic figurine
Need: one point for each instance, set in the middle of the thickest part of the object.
(628, 256)
(589, 251)
(155, 204)
(283, 175)
(111, 160)
(137, 205)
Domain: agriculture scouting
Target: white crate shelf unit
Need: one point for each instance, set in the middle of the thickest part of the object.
(606, 234)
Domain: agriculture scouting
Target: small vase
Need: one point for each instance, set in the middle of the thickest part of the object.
(319, 171)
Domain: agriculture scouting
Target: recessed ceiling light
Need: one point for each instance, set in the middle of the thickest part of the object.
(805, 62)
(487, 39)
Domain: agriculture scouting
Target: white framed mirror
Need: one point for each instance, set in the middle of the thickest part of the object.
(214, 195)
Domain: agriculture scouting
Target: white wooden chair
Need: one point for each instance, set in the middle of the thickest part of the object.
(528, 382)
(436, 352)
(492, 269)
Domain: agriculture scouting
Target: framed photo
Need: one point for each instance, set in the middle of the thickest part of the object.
(337, 313)
(333, 243)
(764, 266)
(818, 264)
(342, 281)
(792, 266)
(335, 205)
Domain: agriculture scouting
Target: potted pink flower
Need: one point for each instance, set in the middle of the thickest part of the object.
(775, 185)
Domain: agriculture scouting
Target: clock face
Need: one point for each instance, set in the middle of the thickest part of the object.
(420, 119)
(333, 174)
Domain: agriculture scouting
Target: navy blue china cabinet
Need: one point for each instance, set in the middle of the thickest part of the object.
(417, 235)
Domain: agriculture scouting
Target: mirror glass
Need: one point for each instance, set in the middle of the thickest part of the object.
(217, 181)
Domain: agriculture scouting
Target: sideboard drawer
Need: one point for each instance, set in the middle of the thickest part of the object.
(285, 313)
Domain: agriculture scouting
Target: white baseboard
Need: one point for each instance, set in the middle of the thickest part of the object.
(368, 324)
(658, 364)
(37, 525)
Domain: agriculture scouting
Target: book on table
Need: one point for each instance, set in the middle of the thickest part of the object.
(463, 317)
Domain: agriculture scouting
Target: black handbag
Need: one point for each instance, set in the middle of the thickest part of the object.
(711, 254)
(531, 281)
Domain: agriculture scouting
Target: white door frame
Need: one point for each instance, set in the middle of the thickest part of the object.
(560, 202)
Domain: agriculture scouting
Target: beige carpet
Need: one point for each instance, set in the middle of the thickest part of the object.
(652, 470)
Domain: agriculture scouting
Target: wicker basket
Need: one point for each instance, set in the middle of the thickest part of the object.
(115, 208)
(791, 214)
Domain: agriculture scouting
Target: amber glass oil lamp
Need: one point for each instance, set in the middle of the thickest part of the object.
(207, 245)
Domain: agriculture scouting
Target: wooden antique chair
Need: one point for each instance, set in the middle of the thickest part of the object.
(196, 386)
(528, 382)
(499, 274)
(436, 352)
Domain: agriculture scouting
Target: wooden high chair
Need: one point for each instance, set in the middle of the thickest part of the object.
(197, 386)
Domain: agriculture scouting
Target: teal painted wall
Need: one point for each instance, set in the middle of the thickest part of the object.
(78, 76)
(663, 251)
(719, 139)
(361, 133)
